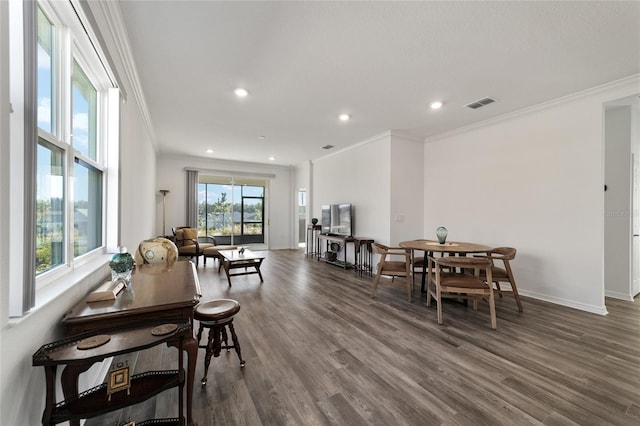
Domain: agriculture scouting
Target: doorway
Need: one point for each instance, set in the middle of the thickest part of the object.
(302, 218)
(621, 198)
(635, 250)
(232, 210)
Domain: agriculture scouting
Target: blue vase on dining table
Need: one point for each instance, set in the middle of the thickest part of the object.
(441, 233)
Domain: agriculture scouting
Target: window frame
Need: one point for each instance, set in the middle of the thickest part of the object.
(72, 47)
(74, 41)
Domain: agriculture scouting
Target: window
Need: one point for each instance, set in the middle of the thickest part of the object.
(87, 208)
(84, 112)
(45, 76)
(50, 214)
(68, 143)
(233, 212)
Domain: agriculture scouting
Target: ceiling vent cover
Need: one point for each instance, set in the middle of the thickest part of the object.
(327, 147)
(480, 103)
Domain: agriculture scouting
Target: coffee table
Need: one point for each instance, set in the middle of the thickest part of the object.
(234, 259)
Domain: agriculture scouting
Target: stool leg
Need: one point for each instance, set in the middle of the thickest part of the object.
(213, 348)
(236, 344)
(217, 342)
(223, 332)
(200, 332)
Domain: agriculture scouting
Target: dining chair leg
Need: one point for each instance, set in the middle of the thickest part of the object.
(439, 307)
(514, 289)
(492, 309)
(375, 286)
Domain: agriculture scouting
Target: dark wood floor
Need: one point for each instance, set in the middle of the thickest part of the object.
(320, 351)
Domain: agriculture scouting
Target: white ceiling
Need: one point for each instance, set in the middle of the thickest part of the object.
(304, 63)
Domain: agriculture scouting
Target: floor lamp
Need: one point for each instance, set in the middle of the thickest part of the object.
(164, 193)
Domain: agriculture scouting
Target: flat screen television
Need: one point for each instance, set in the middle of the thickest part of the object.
(337, 219)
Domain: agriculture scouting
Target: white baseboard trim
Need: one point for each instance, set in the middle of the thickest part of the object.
(600, 310)
(616, 295)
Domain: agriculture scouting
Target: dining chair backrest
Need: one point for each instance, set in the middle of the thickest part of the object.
(502, 272)
(394, 262)
(461, 280)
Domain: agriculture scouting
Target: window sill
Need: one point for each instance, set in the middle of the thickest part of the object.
(81, 280)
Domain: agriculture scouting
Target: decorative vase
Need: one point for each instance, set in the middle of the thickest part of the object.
(121, 265)
(156, 251)
(442, 232)
(314, 220)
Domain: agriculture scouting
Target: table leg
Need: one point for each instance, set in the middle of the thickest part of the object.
(227, 266)
(69, 383)
(191, 347)
(425, 280)
(258, 269)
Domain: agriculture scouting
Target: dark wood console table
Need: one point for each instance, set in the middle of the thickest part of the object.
(134, 388)
(157, 293)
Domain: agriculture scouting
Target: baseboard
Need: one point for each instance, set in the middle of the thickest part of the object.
(616, 295)
(600, 310)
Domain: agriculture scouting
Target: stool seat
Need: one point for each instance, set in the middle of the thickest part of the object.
(217, 315)
(216, 310)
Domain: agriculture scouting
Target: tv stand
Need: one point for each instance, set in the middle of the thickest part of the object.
(328, 238)
(362, 263)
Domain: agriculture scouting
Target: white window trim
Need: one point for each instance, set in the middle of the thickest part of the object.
(53, 283)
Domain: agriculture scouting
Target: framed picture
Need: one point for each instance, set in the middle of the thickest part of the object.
(119, 379)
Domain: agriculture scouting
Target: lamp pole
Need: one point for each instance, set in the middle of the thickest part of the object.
(164, 193)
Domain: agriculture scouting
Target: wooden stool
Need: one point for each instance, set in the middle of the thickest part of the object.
(216, 315)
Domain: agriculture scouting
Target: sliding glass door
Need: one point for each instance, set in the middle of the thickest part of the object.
(232, 209)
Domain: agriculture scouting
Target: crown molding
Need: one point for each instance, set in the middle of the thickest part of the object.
(616, 84)
(111, 15)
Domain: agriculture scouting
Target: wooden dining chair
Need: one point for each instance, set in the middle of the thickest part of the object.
(450, 278)
(501, 272)
(394, 262)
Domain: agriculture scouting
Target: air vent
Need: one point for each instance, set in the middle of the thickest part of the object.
(327, 147)
(480, 103)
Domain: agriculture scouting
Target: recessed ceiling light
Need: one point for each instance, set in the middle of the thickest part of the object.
(240, 92)
(261, 137)
(344, 117)
(209, 151)
(436, 105)
(272, 158)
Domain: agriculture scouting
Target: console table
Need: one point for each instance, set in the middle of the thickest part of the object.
(121, 389)
(362, 261)
(162, 293)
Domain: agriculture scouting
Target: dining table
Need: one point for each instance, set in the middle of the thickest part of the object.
(459, 248)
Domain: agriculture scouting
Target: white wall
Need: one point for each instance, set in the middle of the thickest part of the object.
(533, 181)
(617, 241)
(280, 204)
(407, 189)
(138, 189)
(360, 176)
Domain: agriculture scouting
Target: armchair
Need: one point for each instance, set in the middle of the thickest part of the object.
(188, 242)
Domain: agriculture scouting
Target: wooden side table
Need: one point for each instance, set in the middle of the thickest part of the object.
(364, 255)
(78, 353)
(313, 240)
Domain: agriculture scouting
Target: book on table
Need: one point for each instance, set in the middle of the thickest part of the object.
(107, 291)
